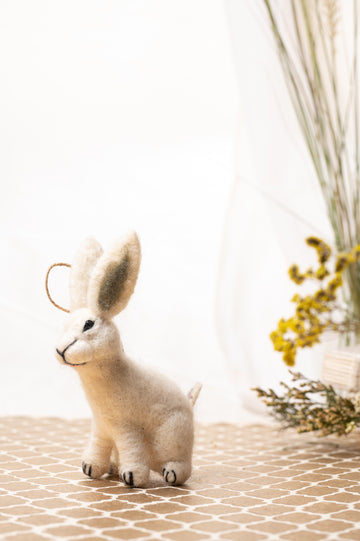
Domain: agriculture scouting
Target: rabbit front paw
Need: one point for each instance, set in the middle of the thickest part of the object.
(135, 476)
(95, 471)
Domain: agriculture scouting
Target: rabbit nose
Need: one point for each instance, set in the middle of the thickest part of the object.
(62, 353)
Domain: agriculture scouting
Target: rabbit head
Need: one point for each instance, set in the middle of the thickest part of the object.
(101, 285)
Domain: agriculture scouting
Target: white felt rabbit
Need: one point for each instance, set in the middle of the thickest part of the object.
(141, 420)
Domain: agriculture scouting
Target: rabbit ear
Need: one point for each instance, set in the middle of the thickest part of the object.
(81, 269)
(113, 280)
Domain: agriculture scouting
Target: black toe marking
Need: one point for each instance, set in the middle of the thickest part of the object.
(167, 475)
(86, 468)
(164, 470)
(130, 481)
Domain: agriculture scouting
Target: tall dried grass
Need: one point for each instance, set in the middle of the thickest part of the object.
(327, 110)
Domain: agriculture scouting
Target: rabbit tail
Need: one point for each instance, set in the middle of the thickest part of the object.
(194, 393)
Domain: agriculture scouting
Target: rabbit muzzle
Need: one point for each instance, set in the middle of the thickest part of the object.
(62, 354)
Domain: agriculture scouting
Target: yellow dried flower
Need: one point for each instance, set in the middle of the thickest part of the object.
(321, 296)
(313, 313)
(282, 326)
(296, 325)
(355, 253)
(323, 249)
(342, 261)
(335, 283)
(314, 241)
(295, 275)
(289, 357)
(322, 272)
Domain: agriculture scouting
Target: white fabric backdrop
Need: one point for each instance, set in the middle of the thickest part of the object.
(115, 115)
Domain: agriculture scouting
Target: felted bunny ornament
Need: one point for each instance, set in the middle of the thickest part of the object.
(141, 420)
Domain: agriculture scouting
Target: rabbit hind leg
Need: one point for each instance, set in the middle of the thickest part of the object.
(176, 472)
(171, 448)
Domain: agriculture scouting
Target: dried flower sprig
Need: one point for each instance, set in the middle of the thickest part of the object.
(315, 313)
(311, 406)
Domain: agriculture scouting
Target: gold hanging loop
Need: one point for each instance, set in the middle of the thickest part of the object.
(47, 285)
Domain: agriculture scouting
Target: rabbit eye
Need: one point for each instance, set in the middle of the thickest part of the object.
(88, 325)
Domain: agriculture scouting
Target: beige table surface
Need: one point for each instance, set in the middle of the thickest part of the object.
(249, 483)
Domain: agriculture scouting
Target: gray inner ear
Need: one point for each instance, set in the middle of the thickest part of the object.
(113, 284)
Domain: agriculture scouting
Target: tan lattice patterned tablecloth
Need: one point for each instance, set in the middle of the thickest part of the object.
(249, 483)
